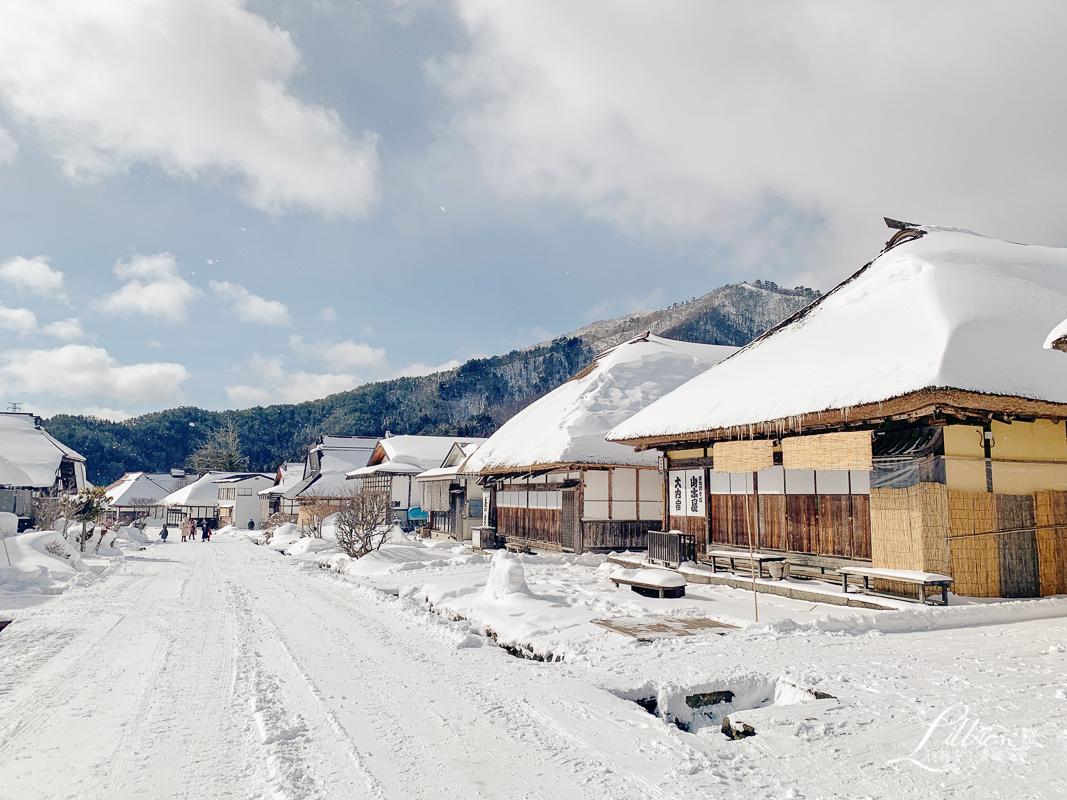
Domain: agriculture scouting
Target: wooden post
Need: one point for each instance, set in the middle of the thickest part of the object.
(751, 550)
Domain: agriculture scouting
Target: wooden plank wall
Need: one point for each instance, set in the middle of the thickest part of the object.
(830, 525)
(616, 535)
(539, 525)
(694, 526)
(1019, 574)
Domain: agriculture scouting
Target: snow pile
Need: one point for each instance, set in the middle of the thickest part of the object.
(404, 556)
(506, 578)
(39, 561)
(284, 536)
(568, 424)
(921, 618)
(949, 310)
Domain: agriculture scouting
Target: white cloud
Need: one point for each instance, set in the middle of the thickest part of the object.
(328, 314)
(198, 87)
(34, 275)
(251, 307)
(103, 412)
(415, 370)
(755, 124)
(154, 288)
(20, 320)
(352, 355)
(76, 370)
(275, 385)
(68, 330)
(8, 147)
(347, 354)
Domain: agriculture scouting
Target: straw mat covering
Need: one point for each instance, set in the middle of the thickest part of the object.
(846, 450)
(743, 456)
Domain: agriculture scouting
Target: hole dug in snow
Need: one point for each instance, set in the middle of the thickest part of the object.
(709, 706)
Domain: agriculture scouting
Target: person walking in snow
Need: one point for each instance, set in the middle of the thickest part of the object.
(163, 534)
(207, 533)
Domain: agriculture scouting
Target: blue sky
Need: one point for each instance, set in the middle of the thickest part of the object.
(225, 204)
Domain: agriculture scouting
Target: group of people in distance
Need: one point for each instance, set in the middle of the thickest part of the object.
(189, 527)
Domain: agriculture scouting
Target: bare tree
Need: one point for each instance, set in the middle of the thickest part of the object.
(46, 510)
(221, 451)
(362, 524)
(314, 508)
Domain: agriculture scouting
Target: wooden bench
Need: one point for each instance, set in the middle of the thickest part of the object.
(743, 556)
(651, 582)
(919, 579)
(517, 547)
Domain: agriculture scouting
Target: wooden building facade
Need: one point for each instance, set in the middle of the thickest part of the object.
(578, 509)
(983, 503)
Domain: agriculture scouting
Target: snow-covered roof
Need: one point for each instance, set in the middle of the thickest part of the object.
(1057, 337)
(12, 475)
(567, 425)
(203, 492)
(947, 310)
(138, 486)
(328, 463)
(291, 474)
(33, 450)
(440, 472)
(387, 468)
(425, 452)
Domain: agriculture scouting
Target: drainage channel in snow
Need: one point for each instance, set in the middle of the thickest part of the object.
(710, 705)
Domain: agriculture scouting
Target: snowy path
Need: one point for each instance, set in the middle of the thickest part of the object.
(222, 670)
(227, 670)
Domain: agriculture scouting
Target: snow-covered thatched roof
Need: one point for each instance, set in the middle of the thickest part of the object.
(940, 310)
(35, 452)
(567, 425)
(11, 475)
(202, 492)
(140, 486)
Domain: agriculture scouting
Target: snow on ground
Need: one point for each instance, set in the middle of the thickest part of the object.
(229, 669)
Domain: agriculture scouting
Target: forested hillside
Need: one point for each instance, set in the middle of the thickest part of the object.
(471, 400)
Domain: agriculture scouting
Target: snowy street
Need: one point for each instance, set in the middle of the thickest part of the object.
(222, 670)
(229, 670)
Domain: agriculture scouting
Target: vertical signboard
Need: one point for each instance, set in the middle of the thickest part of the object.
(686, 493)
(695, 499)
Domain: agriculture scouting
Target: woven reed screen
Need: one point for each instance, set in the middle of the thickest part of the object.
(846, 450)
(743, 456)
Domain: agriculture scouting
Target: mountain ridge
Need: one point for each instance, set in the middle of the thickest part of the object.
(473, 399)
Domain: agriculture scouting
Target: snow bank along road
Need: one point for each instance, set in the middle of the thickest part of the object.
(228, 670)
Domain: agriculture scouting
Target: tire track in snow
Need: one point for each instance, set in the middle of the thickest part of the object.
(47, 697)
(591, 771)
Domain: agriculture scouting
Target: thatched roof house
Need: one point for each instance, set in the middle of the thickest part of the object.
(927, 367)
(556, 483)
